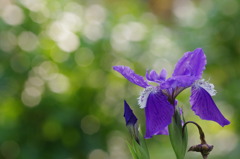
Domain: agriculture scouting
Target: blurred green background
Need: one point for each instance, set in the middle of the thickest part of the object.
(60, 98)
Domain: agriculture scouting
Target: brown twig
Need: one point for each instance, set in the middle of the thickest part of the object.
(201, 133)
(203, 148)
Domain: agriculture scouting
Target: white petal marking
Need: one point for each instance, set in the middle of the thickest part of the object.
(142, 100)
(209, 87)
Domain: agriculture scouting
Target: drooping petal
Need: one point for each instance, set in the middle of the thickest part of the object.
(130, 75)
(204, 106)
(191, 64)
(158, 114)
(130, 118)
(178, 81)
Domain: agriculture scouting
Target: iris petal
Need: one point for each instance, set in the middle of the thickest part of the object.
(191, 64)
(163, 75)
(152, 75)
(158, 114)
(130, 75)
(204, 106)
(164, 131)
(178, 81)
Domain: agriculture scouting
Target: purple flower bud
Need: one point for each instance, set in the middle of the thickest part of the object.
(131, 122)
(130, 118)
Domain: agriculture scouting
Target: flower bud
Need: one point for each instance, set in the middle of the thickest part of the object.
(131, 122)
(137, 146)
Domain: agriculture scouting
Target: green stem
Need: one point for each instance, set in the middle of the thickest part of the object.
(178, 137)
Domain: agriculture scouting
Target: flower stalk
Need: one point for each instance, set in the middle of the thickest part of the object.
(203, 148)
(178, 138)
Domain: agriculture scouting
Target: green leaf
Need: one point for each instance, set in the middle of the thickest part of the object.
(178, 138)
(143, 144)
(139, 151)
(132, 151)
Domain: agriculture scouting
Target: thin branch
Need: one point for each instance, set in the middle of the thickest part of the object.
(201, 133)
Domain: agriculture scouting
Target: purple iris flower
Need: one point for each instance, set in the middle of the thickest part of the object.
(159, 101)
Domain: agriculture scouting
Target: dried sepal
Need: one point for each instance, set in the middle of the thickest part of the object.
(204, 149)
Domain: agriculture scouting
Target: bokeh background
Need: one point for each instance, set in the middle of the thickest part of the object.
(60, 98)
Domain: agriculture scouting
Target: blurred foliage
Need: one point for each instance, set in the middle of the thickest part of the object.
(60, 99)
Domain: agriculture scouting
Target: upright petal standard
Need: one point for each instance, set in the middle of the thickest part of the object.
(191, 64)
